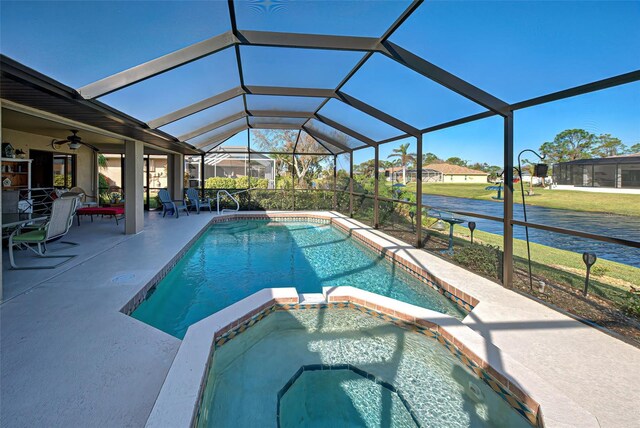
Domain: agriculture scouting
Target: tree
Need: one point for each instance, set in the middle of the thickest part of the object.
(570, 144)
(428, 158)
(456, 161)
(366, 168)
(306, 167)
(405, 157)
(634, 149)
(606, 146)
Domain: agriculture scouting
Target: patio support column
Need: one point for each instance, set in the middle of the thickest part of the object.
(351, 184)
(418, 216)
(133, 179)
(376, 173)
(335, 182)
(177, 185)
(507, 260)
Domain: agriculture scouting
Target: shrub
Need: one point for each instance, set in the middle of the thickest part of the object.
(631, 306)
(220, 183)
(480, 258)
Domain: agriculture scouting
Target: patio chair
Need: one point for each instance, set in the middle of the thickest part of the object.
(83, 197)
(170, 205)
(58, 225)
(197, 202)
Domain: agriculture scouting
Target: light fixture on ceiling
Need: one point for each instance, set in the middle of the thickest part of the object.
(75, 142)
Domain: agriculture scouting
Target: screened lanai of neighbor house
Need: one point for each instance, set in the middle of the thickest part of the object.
(295, 205)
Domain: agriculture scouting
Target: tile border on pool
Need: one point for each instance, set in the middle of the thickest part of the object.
(514, 396)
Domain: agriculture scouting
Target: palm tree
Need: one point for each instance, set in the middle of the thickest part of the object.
(405, 158)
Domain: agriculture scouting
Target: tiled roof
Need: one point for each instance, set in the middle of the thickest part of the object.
(447, 168)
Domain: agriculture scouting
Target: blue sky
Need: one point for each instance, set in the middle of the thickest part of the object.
(514, 50)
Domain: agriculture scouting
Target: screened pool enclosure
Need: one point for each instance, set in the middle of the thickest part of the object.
(280, 103)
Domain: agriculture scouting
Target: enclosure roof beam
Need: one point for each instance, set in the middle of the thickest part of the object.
(221, 137)
(377, 114)
(346, 130)
(196, 107)
(329, 140)
(208, 152)
(279, 113)
(320, 142)
(292, 92)
(621, 79)
(443, 77)
(307, 41)
(275, 126)
(236, 47)
(295, 145)
(159, 65)
(407, 12)
(210, 127)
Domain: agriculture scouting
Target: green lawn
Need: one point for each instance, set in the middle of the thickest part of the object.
(560, 199)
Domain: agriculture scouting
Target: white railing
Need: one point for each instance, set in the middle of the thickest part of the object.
(225, 192)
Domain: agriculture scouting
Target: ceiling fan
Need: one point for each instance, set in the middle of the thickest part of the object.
(74, 142)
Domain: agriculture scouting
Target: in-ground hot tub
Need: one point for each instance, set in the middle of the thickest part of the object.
(345, 365)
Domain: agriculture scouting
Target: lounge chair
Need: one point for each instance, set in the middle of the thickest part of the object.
(197, 202)
(169, 205)
(62, 211)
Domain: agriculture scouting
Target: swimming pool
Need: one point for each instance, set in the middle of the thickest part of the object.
(342, 367)
(233, 260)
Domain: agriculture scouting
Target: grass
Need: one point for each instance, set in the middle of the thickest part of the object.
(608, 279)
(613, 203)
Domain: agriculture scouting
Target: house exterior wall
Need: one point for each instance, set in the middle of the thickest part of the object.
(461, 178)
(84, 156)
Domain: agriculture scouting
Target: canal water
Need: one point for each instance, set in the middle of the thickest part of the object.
(617, 226)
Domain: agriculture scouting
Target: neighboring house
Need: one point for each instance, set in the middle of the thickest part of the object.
(622, 172)
(440, 173)
(231, 162)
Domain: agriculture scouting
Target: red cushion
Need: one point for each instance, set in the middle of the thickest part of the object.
(101, 210)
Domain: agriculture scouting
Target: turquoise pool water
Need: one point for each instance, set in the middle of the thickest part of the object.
(234, 260)
(248, 373)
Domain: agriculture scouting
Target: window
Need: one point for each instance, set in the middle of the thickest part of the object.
(64, 171)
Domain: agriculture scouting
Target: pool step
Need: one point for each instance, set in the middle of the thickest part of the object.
(311, 298)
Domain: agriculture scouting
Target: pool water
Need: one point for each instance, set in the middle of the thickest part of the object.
(249, 371)
(236, 259)
(347, 394)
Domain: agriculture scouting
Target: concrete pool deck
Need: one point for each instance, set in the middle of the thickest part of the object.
(71, 358)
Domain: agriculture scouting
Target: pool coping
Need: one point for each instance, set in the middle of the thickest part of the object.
(179, 400)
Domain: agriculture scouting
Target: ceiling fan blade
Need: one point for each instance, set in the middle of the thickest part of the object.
(61, 141)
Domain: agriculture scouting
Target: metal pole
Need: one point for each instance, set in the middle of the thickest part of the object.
(351, 184)
(248, 160)
(507, 260)
(335, 182)
(419, 191)
(293, 181)
(375, 187)
(202, 175)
